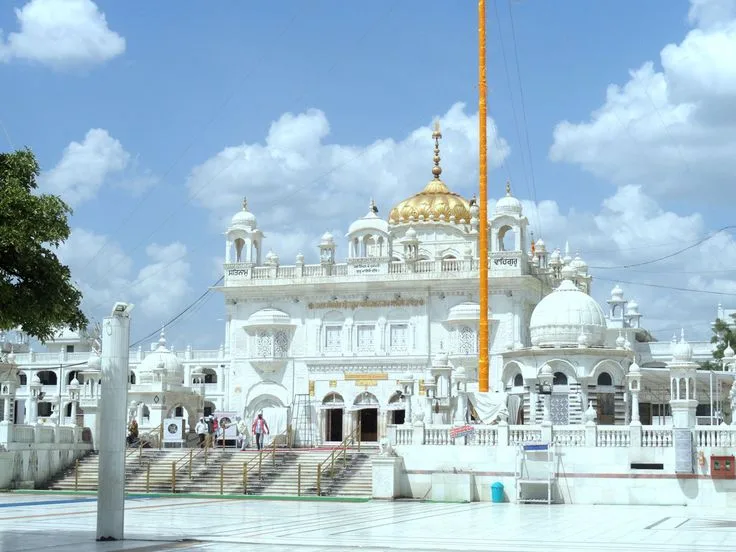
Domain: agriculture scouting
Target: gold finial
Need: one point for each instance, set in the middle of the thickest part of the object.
(508, 188)
(245, 204)
(436, 134)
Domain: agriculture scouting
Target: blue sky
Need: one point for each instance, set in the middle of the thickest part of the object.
(170, 85)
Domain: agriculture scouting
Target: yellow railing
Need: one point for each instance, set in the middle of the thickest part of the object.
(257, 461)
(334, 457)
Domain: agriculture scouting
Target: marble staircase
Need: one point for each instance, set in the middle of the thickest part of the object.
(288, 472)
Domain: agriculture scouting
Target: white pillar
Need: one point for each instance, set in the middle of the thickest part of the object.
(635, 408)
(6, 409)
(112, 424)
(74, 412)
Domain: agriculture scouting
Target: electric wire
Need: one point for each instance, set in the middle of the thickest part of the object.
(177, 210)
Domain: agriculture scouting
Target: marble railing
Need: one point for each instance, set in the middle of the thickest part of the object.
(18, 434)
(564, 436)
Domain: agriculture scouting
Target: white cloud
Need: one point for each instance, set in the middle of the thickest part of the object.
(672, 130)
(302, 186)
(158, 289)
(61, 34)
(85, 167)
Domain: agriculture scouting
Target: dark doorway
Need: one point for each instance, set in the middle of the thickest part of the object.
(606, 409)
(369, 424)
(333, 427)
(399, 417)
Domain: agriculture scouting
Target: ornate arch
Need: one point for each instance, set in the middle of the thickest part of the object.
(510, 369)
(564, 366)
(267, 388)
(611, 366)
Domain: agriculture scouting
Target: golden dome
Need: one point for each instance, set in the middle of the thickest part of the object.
(435, 202)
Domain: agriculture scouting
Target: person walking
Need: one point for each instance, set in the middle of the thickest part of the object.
(259, 429)
(242, 426)
(201, 429)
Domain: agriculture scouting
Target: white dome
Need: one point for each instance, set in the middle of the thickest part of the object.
(540, 246)
(244, 217)
(268, 317)
(617, 294)
(634, 368)
(327, 238)
(371, 222)
(683, 351)
(163, 361)
(728, 352)
(464, 312)
(579, 264)
(563, 315)
(94, 362)
(411, 234)
(508, 205)
(632, 307)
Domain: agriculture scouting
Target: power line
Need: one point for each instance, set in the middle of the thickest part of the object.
(669, 256)
(523, 110)
(663, 286)
(177, 210)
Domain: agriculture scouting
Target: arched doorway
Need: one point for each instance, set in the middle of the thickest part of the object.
(397, 409)
(605, 395)
(333, 408)
(366, 405)
(560, 400)
(274, 412)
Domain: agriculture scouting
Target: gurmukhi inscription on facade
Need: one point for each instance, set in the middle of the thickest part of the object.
(377, 303)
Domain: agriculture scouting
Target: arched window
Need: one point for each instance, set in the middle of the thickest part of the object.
(559, 379)
(23, 378)
(47, 377)
(518, 380)
(506, 239)
(44, 409)
(605, 379)
(131, 378)
(210, 376)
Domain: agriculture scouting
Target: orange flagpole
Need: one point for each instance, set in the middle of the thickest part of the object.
(483, 340)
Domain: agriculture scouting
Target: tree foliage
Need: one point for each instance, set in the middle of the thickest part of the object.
(36, 291)
(724, 334)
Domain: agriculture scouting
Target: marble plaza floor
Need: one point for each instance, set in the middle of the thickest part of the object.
(62, 522)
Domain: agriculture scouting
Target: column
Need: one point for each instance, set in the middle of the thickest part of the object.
(6, 409)
(113, 426)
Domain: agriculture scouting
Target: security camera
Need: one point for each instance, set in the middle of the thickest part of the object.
(122, 309)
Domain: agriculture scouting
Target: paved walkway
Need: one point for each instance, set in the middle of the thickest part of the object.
(56, 522)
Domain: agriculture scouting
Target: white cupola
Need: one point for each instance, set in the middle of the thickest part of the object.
(508, 224)
(243, 238)
(368, 236)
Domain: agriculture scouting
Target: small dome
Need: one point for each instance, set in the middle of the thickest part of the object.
(683, 351)
(161, 360)
(568, 272)
(634, 368)
(459, 373)
(327, 239)
(36, 380)
(268, 317)
(540, 247)
(371, 222)
(632, 307)
(617, 294)
(582, 339)
(620, 341)
(728, 352)
(561, 316)
(579, 264)
(508, 205)
(244, 217)
(411, 234)
(464, 312)
(74, 382)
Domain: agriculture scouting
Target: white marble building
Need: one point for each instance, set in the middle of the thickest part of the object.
(358, 339)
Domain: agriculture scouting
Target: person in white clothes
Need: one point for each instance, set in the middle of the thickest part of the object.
(260, 428)
(201, 429)
(242, 427)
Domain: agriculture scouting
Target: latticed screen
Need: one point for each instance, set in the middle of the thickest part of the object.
(399, 337)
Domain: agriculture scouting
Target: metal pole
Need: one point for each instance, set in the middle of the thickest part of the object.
(222, 478)
(76, 475)
(245, 478)
(113, 419)
(173, 477)
(299, 480)
(483, 341)
(191, 454)
(319, 479)
(148, 477)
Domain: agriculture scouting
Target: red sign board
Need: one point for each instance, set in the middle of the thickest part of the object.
(460, 431)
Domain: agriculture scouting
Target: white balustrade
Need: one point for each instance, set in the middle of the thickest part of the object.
(613, 436)
(404, 435)
(718, 436)
(484, 436)
(569, 436)
(437, 435)
(519, 434)
(23, 434)
(656, 436)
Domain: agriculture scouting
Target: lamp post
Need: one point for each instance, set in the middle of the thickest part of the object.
(73, 389)
(634, 377)
(545, 379)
